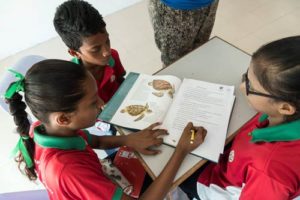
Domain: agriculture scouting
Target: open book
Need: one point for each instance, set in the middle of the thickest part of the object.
(144, 99)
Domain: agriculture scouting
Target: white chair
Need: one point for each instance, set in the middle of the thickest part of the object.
(22, 67)
(32, 195)
(6, 79)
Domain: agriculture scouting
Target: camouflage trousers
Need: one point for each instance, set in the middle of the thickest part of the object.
(178, 32)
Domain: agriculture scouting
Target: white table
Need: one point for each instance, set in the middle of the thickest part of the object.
(216, 61)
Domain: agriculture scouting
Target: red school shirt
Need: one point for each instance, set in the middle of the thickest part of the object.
(113, 77)
(70, 169)
(262, 163)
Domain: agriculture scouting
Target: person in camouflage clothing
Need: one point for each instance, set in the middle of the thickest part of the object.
(181, 26)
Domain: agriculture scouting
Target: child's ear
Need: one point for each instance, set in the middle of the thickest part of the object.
(63, 119)
(286, 109)
(74, 53)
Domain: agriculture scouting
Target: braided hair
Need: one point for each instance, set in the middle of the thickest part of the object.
(49, 86)
(17, 109)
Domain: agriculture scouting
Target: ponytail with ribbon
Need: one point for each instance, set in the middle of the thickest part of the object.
(25, 144)
(15, 86)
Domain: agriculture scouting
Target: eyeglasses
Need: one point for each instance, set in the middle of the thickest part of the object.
(249, 91)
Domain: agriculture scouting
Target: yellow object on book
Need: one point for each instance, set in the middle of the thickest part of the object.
(192, 136)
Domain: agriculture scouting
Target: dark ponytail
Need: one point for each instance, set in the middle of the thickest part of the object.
(17, 109)
(49, 86)
(277, 68)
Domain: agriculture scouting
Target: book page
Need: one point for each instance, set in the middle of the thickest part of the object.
(205, 104)
(147, 101)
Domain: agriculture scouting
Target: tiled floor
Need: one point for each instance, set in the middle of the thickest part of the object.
(249, 24)
(243, 23)
(29, 22)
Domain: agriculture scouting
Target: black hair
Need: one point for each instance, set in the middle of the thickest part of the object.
(49, 86)
(277, 68)
(74, 20)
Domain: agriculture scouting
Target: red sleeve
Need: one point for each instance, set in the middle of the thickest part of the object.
(261, 186)
(78, 181)
(32, 127)
(119, 69)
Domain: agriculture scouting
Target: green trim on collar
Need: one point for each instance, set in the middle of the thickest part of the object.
(88, 135)
(284, 132)
(111, 62)
(118, 194)
(263, 117)
(76, 60)
(65, 143)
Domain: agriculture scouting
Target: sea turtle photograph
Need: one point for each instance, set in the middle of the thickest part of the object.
(137, 110)
(162, 86)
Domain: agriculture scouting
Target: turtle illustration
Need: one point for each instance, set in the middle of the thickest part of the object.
(161, 86)
(158, 94)
(137, 110)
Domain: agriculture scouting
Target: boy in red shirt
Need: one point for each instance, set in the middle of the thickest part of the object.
(82, 29)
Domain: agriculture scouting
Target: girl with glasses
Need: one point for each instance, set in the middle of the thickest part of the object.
(263, 161)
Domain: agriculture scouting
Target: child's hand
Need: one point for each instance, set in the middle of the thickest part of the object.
(185, 144)
(143, 140)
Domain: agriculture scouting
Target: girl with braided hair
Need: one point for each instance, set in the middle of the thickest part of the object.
(63, 97)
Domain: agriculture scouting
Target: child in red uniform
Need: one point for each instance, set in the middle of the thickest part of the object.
(263, 161)
(63, 97)
(83, 30)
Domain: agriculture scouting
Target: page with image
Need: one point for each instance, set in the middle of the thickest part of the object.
(147, 101)
(205, 104)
